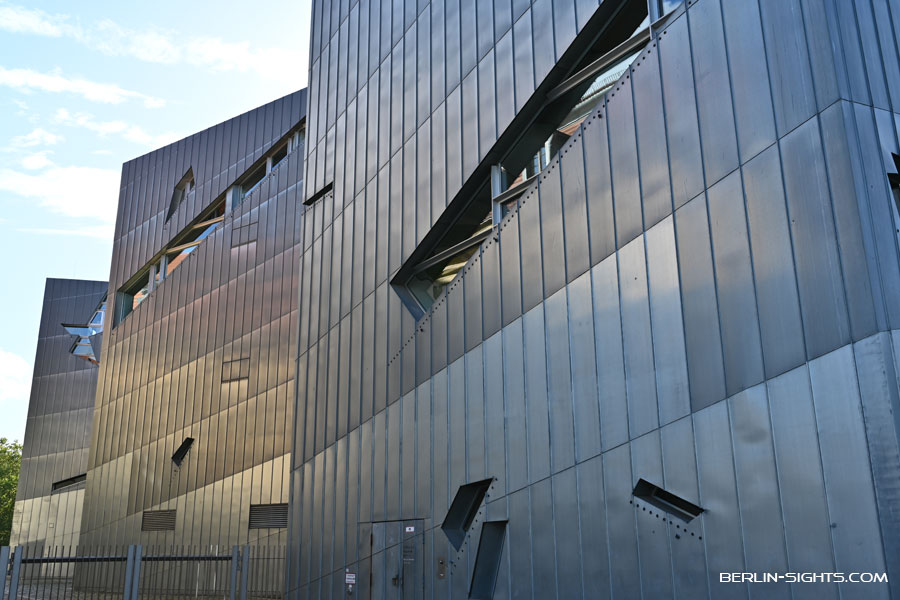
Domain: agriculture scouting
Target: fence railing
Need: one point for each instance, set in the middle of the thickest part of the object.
(137, 571)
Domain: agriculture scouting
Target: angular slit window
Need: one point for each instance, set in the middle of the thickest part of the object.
(69, 485)
(279, 155)
(182, 451)
(463, 510)
(487, 560)
(253, 180)
(487, 197)
(185, 244)
(86, 345)
(666, 501)
(183, 189)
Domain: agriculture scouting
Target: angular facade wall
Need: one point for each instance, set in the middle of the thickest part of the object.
(208, 354)
(57, 433)
(699, 291)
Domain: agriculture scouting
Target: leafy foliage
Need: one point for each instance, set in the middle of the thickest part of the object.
(10, 461)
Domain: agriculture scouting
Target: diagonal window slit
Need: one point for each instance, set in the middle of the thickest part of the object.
(595, 62)
(666, 501)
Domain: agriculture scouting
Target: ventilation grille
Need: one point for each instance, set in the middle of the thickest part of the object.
(268, 516)
(158, 520)
(69, 485)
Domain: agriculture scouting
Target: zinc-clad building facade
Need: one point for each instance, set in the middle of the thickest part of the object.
(50, 496)
(699, 289)
(191, 428)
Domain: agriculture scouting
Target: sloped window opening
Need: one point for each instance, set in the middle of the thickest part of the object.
(130, 296)
(487, 560)
(894, 180)
(183, 189)
(666, 501)
(84, 345)
(523, 152)
(463, 510)
(182, 451)
(69, 485)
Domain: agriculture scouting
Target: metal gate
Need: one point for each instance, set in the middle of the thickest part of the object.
(77, 573)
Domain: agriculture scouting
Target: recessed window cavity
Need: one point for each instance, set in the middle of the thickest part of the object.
(172, 256)
(527, 149)
(463, 511)
(183, 189)
(487, 560)
(69, 485)
(666, 501)
(894, 179)
(234, 370)
(276, 156)
(182, 451)
(87, 341)
(319, 194)
(268, 516)
(158, 520)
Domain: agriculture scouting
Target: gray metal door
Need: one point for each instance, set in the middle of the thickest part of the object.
(397, 565)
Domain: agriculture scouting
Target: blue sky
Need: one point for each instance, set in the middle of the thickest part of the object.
(86, 86)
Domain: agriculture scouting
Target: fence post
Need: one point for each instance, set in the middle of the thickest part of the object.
(136, 577)
(129, 566)
(4, 568)
(245, 571)
(235, 562)
(17, 567)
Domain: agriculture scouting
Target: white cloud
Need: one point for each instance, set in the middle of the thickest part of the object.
(37, 137)
(103, 232)
(149, 45)
(72, 191)
(102, 152)
(15, 386)
(27, 80)
(157, 45)
(132, 133)
(18, 19)
(36, 161)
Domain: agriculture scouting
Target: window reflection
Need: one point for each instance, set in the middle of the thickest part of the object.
(83, 347)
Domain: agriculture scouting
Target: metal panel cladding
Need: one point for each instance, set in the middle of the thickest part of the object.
(50, 495)
(700, 290)
(208, 354)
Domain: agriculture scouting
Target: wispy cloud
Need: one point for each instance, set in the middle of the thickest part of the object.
(27, 80)
(102, 232)
(19, 19)
(132, 133)
(71, 191)
(155, 45)
(36, 161)
(37, 137)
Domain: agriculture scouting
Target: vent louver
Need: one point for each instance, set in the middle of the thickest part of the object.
(268, 516)
(158, 520)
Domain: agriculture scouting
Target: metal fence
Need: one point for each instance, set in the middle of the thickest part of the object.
(149, 572)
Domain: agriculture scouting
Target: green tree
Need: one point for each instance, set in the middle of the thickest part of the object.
(10, 461)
